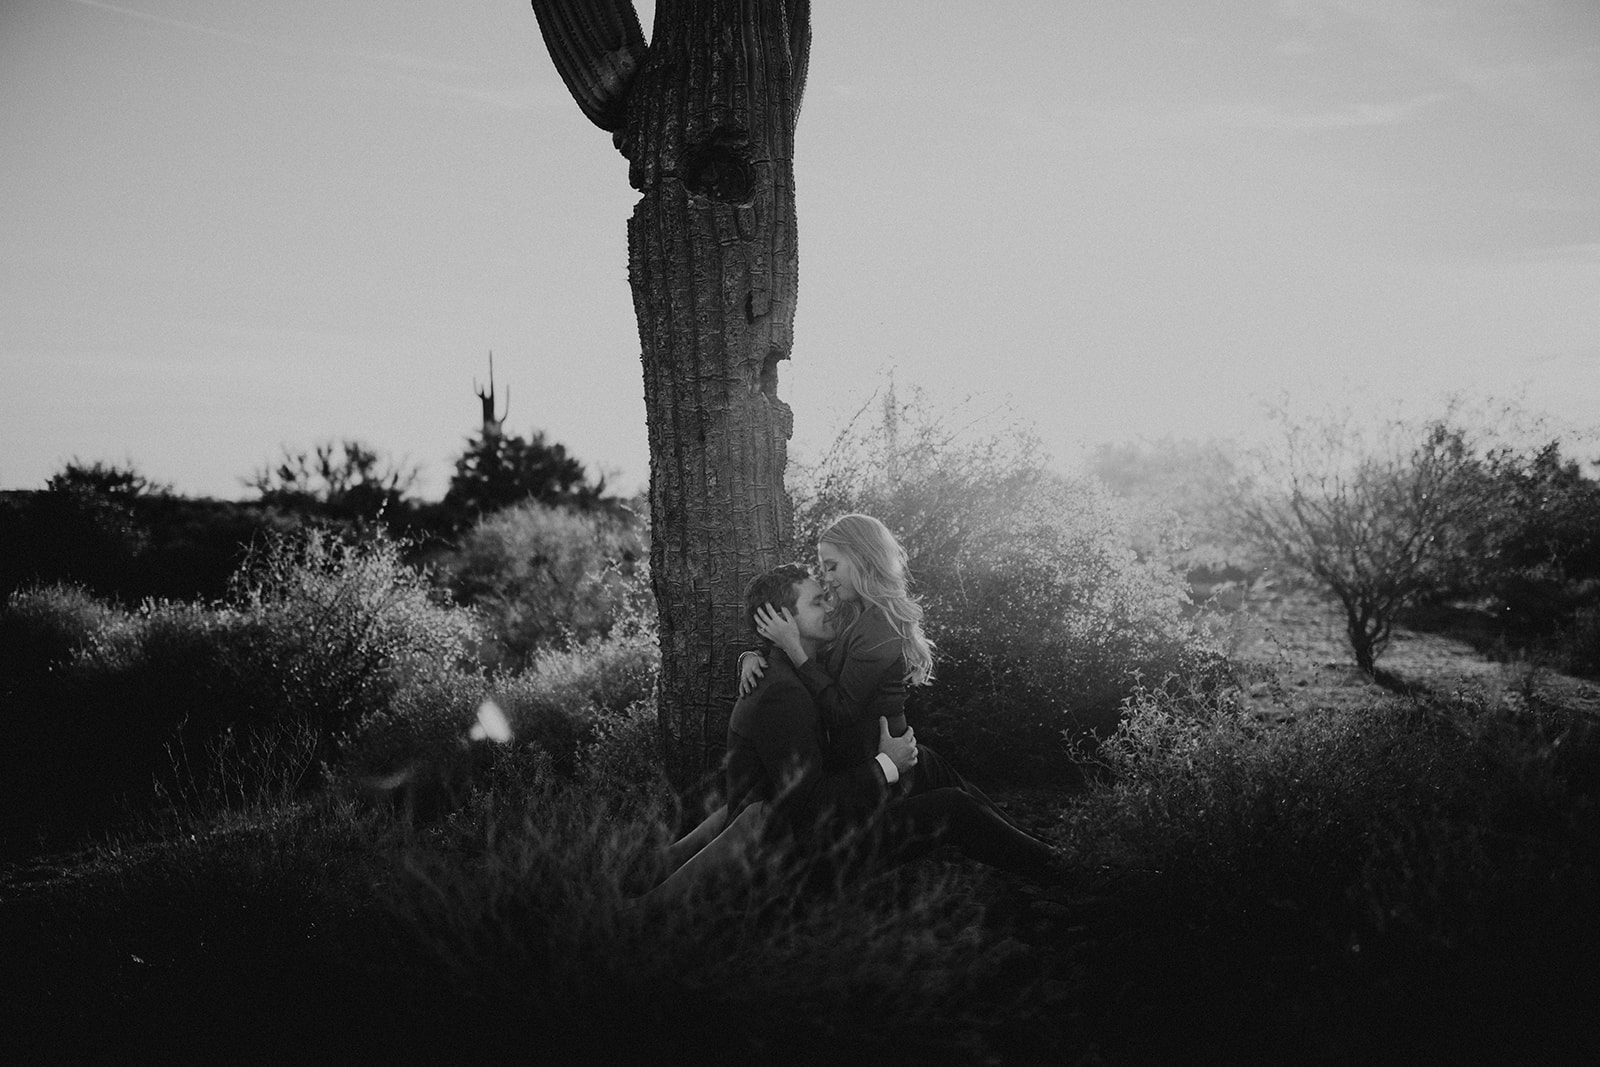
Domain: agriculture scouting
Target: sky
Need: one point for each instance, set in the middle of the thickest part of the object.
(227, 228)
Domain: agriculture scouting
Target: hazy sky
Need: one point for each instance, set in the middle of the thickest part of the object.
(229, 226)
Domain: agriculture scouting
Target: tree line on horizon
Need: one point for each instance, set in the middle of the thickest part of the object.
(121, 533)
(1381, 521)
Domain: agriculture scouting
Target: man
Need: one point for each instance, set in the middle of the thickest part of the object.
(776, 741)
(779, 784)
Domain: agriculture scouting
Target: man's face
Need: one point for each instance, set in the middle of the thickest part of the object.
(811, 612)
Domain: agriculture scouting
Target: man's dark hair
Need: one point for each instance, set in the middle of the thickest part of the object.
(775, 587)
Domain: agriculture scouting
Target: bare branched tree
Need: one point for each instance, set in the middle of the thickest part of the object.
(1376, 519)
(346, 475)
(109, 480)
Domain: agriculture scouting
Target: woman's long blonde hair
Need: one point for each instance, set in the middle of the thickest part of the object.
(882, 581)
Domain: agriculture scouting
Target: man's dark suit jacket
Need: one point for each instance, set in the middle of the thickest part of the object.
(775, 738)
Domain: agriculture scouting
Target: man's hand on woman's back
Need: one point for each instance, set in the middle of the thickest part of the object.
(752, 665)
(902, 750)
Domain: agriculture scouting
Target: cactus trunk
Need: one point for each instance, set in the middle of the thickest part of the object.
(705, 114)
(711, 260)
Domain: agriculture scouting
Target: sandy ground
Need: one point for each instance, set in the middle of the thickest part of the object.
(1294, 648)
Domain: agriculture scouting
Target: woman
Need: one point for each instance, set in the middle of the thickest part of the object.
(880, 650)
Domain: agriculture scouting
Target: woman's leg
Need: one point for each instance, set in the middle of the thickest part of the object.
(728, 849)
(934, 772)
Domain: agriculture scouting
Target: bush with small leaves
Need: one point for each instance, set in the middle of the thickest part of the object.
(562, 698)
(1043, 614)
(541, 575)
(337, 629)
(43, 628)
(624, 757)
(318, 636)
(1416, 821)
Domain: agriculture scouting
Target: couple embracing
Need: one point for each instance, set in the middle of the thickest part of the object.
(818, 744)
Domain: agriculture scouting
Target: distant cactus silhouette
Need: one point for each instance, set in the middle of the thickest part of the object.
(492, 424)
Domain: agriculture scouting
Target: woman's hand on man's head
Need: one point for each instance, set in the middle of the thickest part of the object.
(779, 627)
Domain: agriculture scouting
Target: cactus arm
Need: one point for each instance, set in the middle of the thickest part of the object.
(799, 46)
(597, 47)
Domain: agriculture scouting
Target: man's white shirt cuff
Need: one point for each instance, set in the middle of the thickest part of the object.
(890, 771)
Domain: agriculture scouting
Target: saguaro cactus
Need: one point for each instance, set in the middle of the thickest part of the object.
(492, 423)
(705, 115)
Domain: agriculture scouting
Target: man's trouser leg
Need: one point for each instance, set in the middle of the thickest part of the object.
(914, 826)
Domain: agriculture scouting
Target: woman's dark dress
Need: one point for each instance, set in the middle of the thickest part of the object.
(864, 677)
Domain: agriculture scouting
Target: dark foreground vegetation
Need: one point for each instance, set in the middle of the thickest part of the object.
(1407, 882)
(275, 824)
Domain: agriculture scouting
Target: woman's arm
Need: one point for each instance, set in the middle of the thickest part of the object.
(869, 660)
(752, 665)
(869, 667)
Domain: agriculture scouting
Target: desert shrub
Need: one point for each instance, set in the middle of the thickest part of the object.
(1049, 621)
(349, 480)
(539, 575)
(1043, 614)
(194, 548)
(72, 535)
(94, 735)
(1419, 822)
(121, 536)
(43, 628)
(624, 757)
(560, 700)
(502, 470)
(318, 636)
(1541, 516)
(1579, 643)
(256, 769)
(586, 710)
(1535, 554)
(430, 715)
(1221, 801)
(418, 755)
(338, 629)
